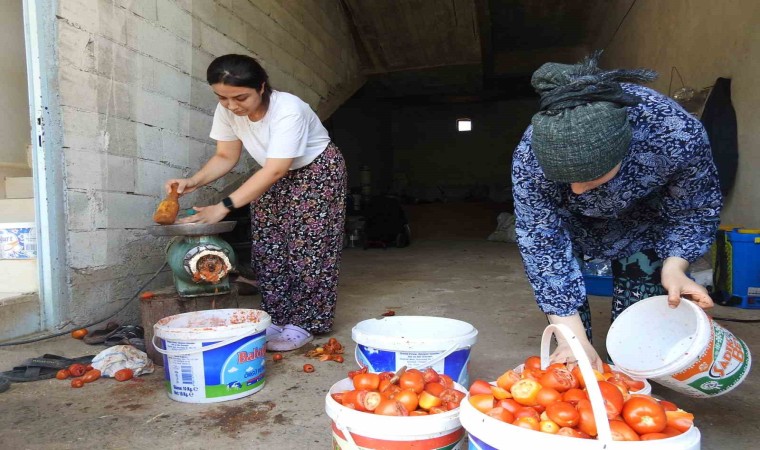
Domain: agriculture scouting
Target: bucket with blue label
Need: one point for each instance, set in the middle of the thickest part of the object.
(213, 356)
(389, 343)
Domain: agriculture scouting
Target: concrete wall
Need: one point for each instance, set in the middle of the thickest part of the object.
(14, 109)
(705, 40)
(136, 110)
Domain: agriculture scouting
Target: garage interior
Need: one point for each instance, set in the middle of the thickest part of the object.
(126, 106)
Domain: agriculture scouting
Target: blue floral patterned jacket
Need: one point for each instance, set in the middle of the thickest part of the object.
(666, 197)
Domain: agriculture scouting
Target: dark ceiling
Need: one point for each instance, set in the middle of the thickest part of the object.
(471, 50)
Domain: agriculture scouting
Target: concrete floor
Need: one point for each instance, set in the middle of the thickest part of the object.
(469, 279)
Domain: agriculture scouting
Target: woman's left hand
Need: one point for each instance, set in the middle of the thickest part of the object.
(206, 214)
(678, 285)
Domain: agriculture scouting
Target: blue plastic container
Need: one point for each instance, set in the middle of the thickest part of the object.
(744, 267)
(600, 285)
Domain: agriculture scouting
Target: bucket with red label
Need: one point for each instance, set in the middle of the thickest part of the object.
(682, 348)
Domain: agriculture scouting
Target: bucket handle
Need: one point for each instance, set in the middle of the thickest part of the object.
(437, 358)
(346, 432)
(199, 350)
(594, 393)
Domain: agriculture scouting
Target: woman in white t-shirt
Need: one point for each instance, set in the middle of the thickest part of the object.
(296, 198)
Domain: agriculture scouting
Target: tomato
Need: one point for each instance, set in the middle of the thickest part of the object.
(563, 414)
(418, 412)
(606, 368)
(509, 404)
(559, 378)
(586, 421)
(482, 402)
(644, 415)
(308, 368)
(385, 375)
(367, 381)
(622, 432)
(526, 411)
(480, 387)
(539, 408)
(574, 395)
(407, 398)
(669, 406)
(452, 395)
(426, 400)
(77, 370)
(670, 431)
(532, 362)
(91, 376)
(437, 410)
(507, 379)
(354, 373)
(434, 388)
(450, 405)
(530, 423)
(570, 432)
(79, 334)
(546, 396)
(446, 381)
(653, 436)
(532, 374)
(500, 393)
(502, 414)
(430, 375)
(633, 385)
(391, 408)
(365, 400)
(390, 391)
(63, 374)
(338, 396)
(77, 383)
(547, 426)
(680, 420)
(123, 375)
(525, 392)
(613, 398)
(578, 376)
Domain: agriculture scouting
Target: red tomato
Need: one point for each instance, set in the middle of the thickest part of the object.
(63, 374)
(434, 388)
(502, 414)
(578, 376)
(622, 432)
(669, 406)
(430, 375)
(390, 391)
(606, 368)
(530, 423)
(408, 398)
(77, 370)
(366, 381)
(532, 374)
(338, 396)
(452, 395)
(354, 373)
(77, 383)
(525, 391)
(500, 393)
(308, 368)
(563, 414)
(509, 404)
(532, 362)
(586, 421)
(123, 375)
(644, 415)
(526, 411)
(480, 387)
(482, 402)
(653, 436)
(570, 432)
(574, 395)
(79, 334)
(547, 426)
(507, 379)
(631, 384)
(559, 378)
(91, 376)
(427, 400)
(613, 398)
(446, 381)
(670, 431)
(437, 410)
(418, 412)
(391, 408)
(680, 420)
(546, 396)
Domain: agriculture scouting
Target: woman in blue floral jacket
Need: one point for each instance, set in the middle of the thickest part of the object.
(614, 171)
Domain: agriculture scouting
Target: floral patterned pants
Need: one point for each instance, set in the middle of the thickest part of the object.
(297, 231)
(633, 278)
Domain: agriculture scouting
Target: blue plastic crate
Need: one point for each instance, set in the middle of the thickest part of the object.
(744, 268)
(600, 285)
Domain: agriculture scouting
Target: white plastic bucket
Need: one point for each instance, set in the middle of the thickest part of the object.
(682, 348)
(487, 433)
(389, 343)
(213, 356)
(355, 430)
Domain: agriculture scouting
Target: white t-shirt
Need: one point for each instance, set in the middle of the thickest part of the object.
(289, 129)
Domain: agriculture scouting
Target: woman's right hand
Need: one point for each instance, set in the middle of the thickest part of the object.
(185, 185)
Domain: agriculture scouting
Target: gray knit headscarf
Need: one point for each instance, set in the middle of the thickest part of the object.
(581, 131)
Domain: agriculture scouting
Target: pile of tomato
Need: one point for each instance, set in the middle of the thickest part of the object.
(82, 374)
(406, 393)
(555, 401)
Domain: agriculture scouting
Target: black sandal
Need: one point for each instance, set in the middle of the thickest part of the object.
(127, 335)
(42, 368)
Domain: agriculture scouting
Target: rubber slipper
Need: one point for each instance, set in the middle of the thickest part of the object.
(274, 331)
(5, 384)
(99, 336)
(291, 338)
(122, 335)
(42, 368)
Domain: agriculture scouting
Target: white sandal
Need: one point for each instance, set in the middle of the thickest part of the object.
(291, 338)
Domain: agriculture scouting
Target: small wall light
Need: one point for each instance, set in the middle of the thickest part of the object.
(464, 124)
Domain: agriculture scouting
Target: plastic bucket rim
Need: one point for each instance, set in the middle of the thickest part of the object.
(701, 339)
(213, 332)
(369, 338)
